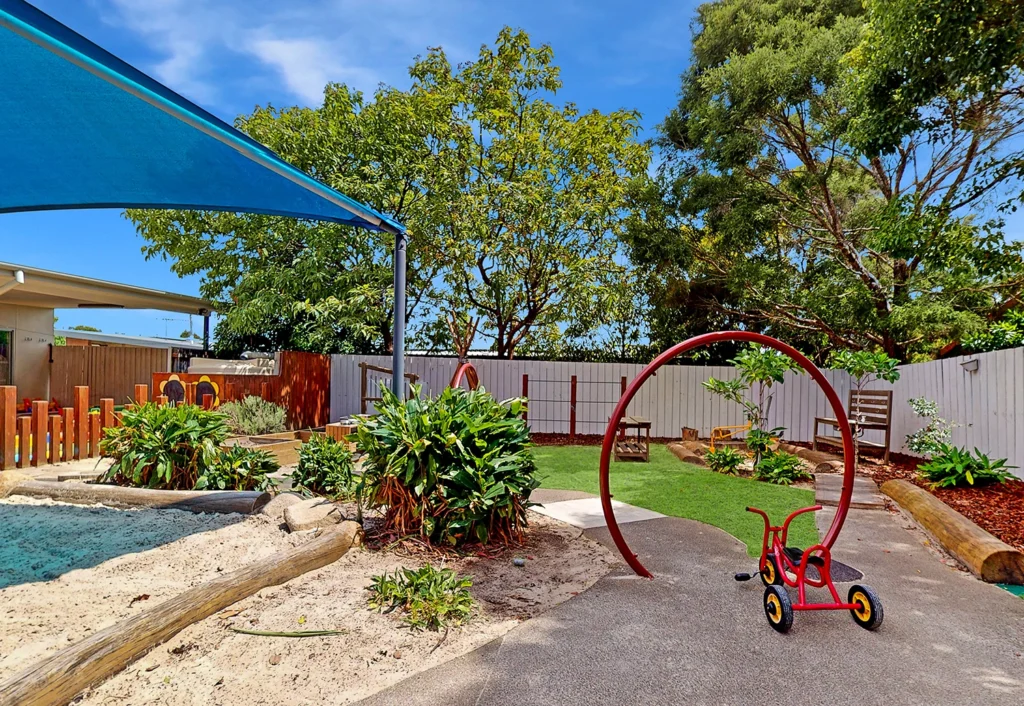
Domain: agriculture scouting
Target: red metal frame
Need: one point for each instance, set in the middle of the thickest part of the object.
(703, 340)
(466, 371)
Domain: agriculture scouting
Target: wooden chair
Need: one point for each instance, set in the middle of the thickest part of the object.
(867, 410)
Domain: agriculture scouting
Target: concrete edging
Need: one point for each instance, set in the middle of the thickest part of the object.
(988, 557)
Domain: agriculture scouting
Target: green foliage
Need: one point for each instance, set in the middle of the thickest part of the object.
(865, 366)
(780, 468)
(935, 435)
(178, 448)
(252, 416)
(455, 468)
(955, 467)
(724, 460)
(239, 468)
(759, 441)
(914, 52)
(1008, 332)
(767, 217)
(430, 598)
(325, 467)
(168, 448)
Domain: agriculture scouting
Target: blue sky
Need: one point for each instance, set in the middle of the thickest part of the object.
(230, 55)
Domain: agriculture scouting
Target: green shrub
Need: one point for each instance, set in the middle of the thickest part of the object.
(937, 433)
(239, 468)
(780, 468)
(325, 467)
(724, 460)
(163, 447)
(253, 416)
(454, 468)
(430, 598)
(953, 467)
(759, 441)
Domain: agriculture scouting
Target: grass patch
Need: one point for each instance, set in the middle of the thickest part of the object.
(671, 487)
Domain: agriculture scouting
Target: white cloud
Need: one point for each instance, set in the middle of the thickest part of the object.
(307, 65)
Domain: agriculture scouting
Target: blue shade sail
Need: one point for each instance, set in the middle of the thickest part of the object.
(79, 128)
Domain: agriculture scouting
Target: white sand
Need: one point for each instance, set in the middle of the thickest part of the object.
(83, 579)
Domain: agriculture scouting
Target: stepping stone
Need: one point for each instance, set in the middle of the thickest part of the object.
(313, 513)
(828, 486)
(586, 513)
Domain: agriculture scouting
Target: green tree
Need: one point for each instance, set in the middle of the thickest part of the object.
(310, 285)
(83, 327)
(786, 227)
(532, 197)
(864, 367)
(915, 53)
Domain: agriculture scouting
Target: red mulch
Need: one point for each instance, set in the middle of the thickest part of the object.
(997, 508)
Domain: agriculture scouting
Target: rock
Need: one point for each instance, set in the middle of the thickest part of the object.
(276, 507)
(9, 479)
(312, 514)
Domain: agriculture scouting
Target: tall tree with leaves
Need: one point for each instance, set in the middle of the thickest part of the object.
(530, 212)
(310, 285)
(800, 232)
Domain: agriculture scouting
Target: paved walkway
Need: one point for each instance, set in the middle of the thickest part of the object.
(695, 636)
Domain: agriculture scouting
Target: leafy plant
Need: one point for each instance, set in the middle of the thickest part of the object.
(163, 447)
(759, 367)
(454, 468)
(780, 468)
(325, 467)
(954, 466)
(1006, 333)
(864, 367)
(430, 598)
(936, 434)
(724, 460)
(252, 416)
(759, 441)
(239, 468)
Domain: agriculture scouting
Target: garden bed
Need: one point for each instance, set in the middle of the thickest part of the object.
(70, 571)
(283, 446)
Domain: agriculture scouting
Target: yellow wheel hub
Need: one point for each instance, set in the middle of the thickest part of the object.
(863, 612)
(769, 571)
(774, 609)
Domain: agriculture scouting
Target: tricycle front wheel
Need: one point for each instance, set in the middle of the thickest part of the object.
(778, 608)
(868, 613)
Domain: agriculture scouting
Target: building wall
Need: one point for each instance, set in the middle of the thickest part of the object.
(33, 334)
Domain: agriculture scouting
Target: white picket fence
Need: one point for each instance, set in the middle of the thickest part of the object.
(988, 403)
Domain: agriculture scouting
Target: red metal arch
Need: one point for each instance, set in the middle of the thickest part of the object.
(703, 340)
(467, 372)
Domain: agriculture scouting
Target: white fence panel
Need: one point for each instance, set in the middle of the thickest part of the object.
(988, 403)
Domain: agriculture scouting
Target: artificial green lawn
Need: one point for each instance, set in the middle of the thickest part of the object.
(671, 487)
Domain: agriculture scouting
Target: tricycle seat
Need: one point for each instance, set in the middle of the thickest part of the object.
(796, 556)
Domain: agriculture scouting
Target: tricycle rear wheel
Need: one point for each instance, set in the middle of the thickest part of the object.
(869, 613)
(770, 574)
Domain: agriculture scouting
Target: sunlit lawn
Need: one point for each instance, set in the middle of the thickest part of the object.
(671, 487)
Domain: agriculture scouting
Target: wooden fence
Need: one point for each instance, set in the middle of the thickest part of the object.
(986, 397)
(107, 371)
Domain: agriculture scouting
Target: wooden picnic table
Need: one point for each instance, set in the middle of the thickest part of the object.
(636, 447)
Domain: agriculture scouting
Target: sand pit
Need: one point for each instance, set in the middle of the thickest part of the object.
(84, 580)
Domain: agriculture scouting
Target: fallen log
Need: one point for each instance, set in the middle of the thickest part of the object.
(823, 462)
(988, 558)
(685, 454)
(60, 677)
(246, 502)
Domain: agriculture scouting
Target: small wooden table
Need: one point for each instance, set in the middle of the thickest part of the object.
(638, 447)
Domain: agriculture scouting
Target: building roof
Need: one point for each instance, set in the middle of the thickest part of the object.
(31, 286)
(121, 339)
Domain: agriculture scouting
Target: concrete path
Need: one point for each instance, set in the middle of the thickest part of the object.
(585, 512)
(695, 636)
(829, 486)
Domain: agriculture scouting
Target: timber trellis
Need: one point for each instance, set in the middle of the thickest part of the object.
(987, 402)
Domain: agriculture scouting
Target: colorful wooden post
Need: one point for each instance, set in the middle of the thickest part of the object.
(207, 401)
(40, 420)
(68, 422)
(25, 441)
(141, 394)
(81, 421)
(161, 400)
(55, 432)
(8, 425)
(107, 412)
(94, 434)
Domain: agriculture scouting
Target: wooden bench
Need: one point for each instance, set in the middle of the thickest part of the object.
(638, 447)
(867, 410)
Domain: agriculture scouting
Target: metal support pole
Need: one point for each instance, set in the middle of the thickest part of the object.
(398, 339)
(206, 335)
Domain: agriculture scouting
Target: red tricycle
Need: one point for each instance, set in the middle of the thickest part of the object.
(809, 567)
